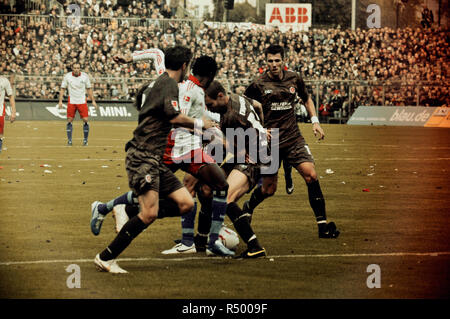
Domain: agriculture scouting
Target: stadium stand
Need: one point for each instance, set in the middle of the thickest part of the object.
(344, 68)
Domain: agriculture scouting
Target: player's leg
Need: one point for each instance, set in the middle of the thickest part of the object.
(69, 127)
(261, 192)
(84, 114)
(288, 177)
(99, 210)
(2, 126)
(205, 197)
(239, 185)
(149, 211)
(317, 201)
(186, 245)
(213, 176)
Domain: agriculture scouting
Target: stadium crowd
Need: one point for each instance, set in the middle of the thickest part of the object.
(43, 50)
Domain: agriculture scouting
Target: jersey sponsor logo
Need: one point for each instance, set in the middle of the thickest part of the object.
(280, 106)
(267, 91)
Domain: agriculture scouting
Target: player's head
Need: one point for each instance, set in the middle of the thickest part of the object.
(178, 58)
(216, 98)
(204, 69)
(76, 68)
(274, 58)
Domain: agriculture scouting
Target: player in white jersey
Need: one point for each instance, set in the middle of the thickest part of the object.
(6, 90)
(77, 83)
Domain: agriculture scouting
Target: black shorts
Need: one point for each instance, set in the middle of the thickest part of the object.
(146, 172)
(250, 170)
(294, 154)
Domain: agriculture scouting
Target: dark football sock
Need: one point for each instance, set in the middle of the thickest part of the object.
(317, 202)
(187, 226)
(204, 216)
(69, 129)
(127, 198)
(240, 222)
(287, 171)
(86, 131)
(256, 198)
(131, 210)
(129, 231)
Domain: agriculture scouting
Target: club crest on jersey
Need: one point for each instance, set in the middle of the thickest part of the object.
(187, 98)
(175, 104)
(292, 89)
(148, 178)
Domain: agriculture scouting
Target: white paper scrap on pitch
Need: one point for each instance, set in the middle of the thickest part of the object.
(48, 171)
(329, 171)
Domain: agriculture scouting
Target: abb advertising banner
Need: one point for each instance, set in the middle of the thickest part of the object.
(285, 16)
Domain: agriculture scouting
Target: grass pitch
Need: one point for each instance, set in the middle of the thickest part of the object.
(400, 221)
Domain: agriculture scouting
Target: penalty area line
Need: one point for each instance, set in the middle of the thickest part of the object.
(74, 261)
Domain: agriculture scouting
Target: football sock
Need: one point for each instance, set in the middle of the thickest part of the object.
(287, 171)
(1, 143)
(317, 203)
(240, 222)
(86, 131)
(219, 208)
(69, 131)
(131, 210)
(168, 208)
(204, 216)
(126, 198)
(187, 226)
(129, 231)
(257, 197)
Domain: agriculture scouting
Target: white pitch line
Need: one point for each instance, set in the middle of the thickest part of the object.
(71, 261)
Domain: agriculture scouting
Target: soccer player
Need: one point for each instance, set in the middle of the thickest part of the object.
(157, 189)
(184, 151)
(6, 90)
(238, 112)
(77, 83)
(276, 89)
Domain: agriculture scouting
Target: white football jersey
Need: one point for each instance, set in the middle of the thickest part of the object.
(76, 86)
(154, 54)
(191, 103)
(5, 88)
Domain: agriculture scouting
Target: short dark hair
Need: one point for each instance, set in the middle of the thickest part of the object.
(214, 89)
(176, 56)
(274, 49)
(205, 66)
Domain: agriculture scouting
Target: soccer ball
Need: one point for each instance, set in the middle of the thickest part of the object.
(229, 238)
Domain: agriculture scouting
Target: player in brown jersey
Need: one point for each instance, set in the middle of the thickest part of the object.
(276, 89)
(236, 115)
(148, 177)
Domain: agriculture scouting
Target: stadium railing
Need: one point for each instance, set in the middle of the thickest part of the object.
(73, 22)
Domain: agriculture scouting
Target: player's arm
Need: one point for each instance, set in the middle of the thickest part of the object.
(61, 94)
(309, 105)
(317, 129)
(189, 122)
(12, 103)
(91, 97)
(259, 110)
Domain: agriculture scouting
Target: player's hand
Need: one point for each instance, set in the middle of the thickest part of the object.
(207, 124)
(318, 131)
(12, 117)
(121, 60)
(95, 104)
(60, 105)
